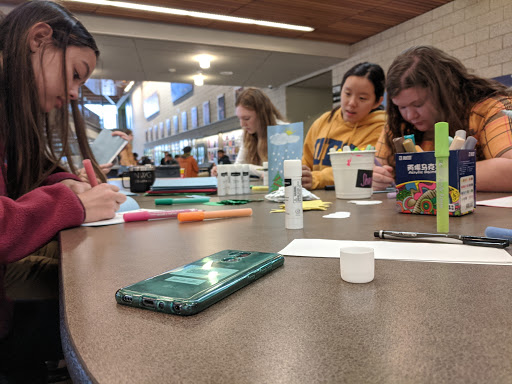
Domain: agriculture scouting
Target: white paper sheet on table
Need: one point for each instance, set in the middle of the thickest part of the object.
(505, 202)
(117, 219)
(397, 250)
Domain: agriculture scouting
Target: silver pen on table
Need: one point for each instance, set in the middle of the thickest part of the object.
(443, 238)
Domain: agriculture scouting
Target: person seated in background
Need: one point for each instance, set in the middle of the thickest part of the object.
(425, 86)
(222, 157)
(145, 160)
(168, 160)
(126, 158)
(164, 159)
(357, 122)
(255, 112)
(188, 163)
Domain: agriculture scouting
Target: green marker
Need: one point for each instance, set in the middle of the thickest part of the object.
(191, 200)
(442, 155)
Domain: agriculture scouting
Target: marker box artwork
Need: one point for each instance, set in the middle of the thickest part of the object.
(416, 182)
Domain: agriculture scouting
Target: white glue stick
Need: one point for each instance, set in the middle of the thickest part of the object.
(222, 180)
(293, 194)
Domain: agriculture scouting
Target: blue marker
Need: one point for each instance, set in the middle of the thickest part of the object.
(499, 233)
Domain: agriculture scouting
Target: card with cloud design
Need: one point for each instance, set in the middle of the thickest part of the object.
(284, 143)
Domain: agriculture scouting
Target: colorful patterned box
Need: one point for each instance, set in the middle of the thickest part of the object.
(416, 182)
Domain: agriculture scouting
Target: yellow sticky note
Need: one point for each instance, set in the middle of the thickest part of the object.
(311, 205)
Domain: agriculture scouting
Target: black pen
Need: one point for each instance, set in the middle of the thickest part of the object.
(443, 238)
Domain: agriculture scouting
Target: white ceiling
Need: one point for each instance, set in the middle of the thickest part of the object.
(145, 51)
(143, 46)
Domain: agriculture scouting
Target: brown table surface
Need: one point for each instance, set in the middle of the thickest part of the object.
(415, 323)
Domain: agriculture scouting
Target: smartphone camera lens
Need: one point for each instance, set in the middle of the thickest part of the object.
(127, 299)
(230, 259)
(238, 254)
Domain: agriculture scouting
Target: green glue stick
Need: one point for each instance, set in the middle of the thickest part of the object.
(191, 200)
(442, 154)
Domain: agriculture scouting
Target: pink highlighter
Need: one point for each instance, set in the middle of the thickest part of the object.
(144, 215)
(90, 172)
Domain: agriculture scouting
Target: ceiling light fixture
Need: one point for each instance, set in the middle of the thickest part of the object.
(204, 61)
(198, 80)
(202, 15)
(129, 86)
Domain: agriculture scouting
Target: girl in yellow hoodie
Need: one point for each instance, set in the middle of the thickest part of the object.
(357, 122)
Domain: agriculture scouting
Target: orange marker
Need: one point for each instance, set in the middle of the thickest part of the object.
(90, 172)
(200, 216)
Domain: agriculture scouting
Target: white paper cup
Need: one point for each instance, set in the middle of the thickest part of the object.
(353, 173)
(357, 264)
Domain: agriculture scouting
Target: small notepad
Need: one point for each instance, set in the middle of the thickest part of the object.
(106, 147)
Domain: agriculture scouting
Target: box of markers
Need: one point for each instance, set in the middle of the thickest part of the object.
(416, 182)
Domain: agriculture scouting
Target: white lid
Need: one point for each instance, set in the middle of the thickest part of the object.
(292, 168)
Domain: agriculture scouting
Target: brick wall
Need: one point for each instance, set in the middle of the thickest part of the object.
(478, 32)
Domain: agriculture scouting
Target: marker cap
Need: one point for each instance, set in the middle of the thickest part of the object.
(398, 143)
(292, 168)
(457, 143)
(191, 216)
(136, 216)
(470, 143)
(441, 140)
(408, 145)
(461, 133)
(499, 233)
(410, 137)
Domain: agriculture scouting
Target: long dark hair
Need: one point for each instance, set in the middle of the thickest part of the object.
(255, 100)
(372, 72)
(454, 91)
(34, 143)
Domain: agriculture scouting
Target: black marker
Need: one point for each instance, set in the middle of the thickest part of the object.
(443, 238)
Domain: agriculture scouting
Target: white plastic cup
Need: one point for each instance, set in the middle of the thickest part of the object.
(357, 264)
(353, 172)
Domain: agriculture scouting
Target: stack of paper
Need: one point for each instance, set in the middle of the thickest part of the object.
(206, 185)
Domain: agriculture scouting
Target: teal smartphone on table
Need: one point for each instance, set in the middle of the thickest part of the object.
(191, 288)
